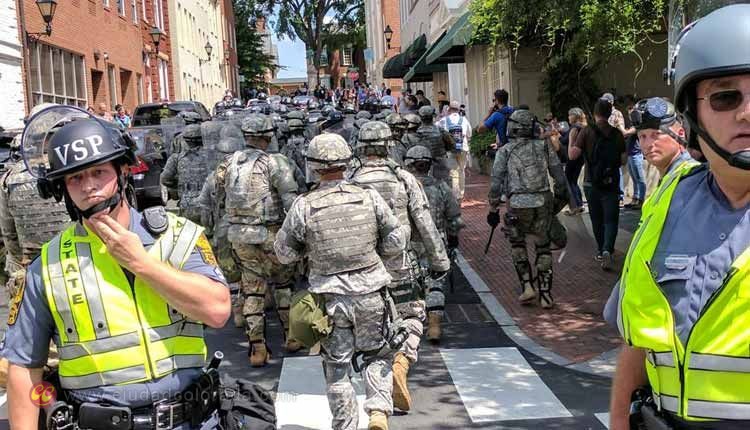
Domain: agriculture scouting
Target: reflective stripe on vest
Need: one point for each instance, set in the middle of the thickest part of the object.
(109, 331)
(707, 378)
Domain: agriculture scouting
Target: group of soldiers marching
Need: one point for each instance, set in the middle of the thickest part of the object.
(365, 224)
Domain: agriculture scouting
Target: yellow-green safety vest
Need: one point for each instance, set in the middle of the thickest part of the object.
(709, 377)
(110, 332)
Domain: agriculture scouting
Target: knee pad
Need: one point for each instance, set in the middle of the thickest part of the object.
(543, 262)
(518, 253)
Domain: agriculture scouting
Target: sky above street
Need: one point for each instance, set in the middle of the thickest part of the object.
(291, 56)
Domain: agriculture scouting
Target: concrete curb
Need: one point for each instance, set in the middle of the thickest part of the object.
(603, 365)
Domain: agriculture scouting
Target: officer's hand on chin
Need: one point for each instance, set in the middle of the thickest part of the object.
(493, 219)
(123, 245)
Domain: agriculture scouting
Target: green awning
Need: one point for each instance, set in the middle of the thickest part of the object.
(452, 48)
(421, 71)
(394, 67)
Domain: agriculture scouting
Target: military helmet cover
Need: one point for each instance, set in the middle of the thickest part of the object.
(374, 133)
(417, 153)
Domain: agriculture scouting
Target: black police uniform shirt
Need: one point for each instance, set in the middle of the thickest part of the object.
(27, 341)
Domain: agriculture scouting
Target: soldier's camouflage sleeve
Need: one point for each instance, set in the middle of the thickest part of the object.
(556, 171)
(7, 225)
(499, 178)
(290, 239)
(453, 220)
(207, 203)
(282, 179)
(392, 235)
(169, 173)
(220, 175)
(420, 217)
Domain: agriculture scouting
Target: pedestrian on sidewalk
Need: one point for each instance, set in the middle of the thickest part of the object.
(603, 150)
(682, 307)
(521, 172)
(635, 157)
(460, 129)
(497, 118)
(577, 121)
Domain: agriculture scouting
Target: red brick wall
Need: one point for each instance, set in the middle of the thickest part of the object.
(165, 49)
(392, 17)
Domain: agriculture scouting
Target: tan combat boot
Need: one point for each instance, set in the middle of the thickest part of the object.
(259, 354)
(529, 294)
(378, 421)
(434, 331)
(401, 396)
(292, 346)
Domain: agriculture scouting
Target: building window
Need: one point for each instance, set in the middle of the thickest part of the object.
(112, 86)
(346, 57)
(163, 80)
(324, 58)
(158, 15)
(139, 87)
(121, 7)
(134, 7)
(56, 76)
(105, 3)
(143, 10)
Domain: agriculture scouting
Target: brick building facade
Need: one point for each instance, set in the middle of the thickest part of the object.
(11, 73)
(230, 63)
(99, 52)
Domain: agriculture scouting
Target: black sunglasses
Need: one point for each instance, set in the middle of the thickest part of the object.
(724, 101)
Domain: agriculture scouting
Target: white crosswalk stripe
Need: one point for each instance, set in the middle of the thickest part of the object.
(603, 418)
(3, 405)
(498, 384)
(494, 384)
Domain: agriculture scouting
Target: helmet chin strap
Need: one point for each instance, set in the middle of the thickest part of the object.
(111, 203)
(740, 160)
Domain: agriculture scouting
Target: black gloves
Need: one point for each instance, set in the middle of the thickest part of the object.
(493, 219)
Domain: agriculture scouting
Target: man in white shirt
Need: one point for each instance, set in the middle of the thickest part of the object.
(459, 127)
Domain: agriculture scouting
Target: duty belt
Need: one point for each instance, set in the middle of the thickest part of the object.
(163, 415)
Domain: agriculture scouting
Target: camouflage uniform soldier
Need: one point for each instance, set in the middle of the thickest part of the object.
(340, 229)
(188, 118)
(397, 123)
(187, 171)
(446, 213)
(410, 138)
(296, 143)
(257, 188)
(27, 221)
(520, 172)
(439, 141)
(358, 123)
(405, 196)
(363, 114)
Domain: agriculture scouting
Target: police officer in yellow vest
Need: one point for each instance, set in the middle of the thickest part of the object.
(683, 305)
(123, 294)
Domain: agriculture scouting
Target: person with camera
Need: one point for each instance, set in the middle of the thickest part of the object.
(124, 294)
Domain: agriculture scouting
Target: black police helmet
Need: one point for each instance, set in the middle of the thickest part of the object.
(82, 143)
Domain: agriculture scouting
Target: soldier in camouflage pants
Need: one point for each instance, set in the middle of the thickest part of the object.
(521, 171)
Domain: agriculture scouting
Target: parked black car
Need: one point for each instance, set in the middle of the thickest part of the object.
(152, 153)
(152, 113)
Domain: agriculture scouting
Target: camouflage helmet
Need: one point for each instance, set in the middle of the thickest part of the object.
(412, 121)
(296, 114)
(380, 116)
(192, 132)
(374, 133)
(417, 153)
(387, 111)
(395, 120)
(190, 117)
(427, 112)
(363, 114)
(296, 124)
(328, 150)
(258, 125)
(358, 123)
(521, 124)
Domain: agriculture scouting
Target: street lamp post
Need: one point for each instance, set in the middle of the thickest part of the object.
(388, 35)
(47, 10)
(156, 35)
(209, 49)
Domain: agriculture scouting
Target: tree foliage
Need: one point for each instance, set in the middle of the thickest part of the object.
(576, 36)
(316, 22)
(253, 62)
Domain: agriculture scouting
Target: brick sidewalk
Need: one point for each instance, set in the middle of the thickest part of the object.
(575, 328)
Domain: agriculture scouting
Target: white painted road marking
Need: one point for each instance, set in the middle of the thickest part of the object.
(498, 384)
(604, 418)
(301, 402)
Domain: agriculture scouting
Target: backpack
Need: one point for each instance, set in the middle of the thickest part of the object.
(246, 406)
(604, 162)
(456, 131)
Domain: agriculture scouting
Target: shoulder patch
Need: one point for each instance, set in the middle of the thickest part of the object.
(15, 304)
(207, 253)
